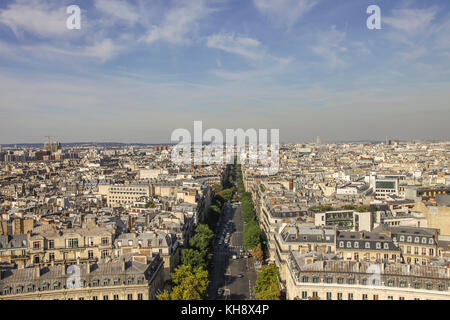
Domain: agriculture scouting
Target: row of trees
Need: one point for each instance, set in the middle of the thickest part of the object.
(190, 279)
(252, 231)
(266, 287)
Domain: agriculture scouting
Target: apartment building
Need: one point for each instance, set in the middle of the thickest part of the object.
(316, 276)
(140, 278)
(68, 245)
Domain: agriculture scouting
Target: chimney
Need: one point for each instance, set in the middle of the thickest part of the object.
(358, 266)
(123, 264)
(383, 265)
(63, 268)
(52, 263)
(78, 261)
(37, 270)
(88, 268)
(409, 268)
(361, 235)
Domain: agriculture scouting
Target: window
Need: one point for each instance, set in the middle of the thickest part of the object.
(375, 297)
(416, 239)
(329, 296)
(356, 245)
(430, 241)
(315, 279)
(402, 238)
(51, 244)
(91, 254)
(116, 281)
(329, 280)
(424, 251)
(378, 245)
(36, 245)
(424, 240)
(351, 280)
(441, 287)
(130, 296)
(116, 297)
(140, 296)
(95, 283)
(104, 254)
(105, 241)
(340, 280)
(349, 244)
(56, 286)
(364, 296)
(429, 286)
(51, 256)
(350, 296)
(386, 246)
(431, 252)
(408, 250)
(304, 279)
(341, 244)
(315, 294)
(130, 280)
(416, 250)
(304, 295)
(339, 296)
(409, 239)
(94, 298)
(390, 298)
(105, 297)
(402, 284)
(417, 285)
(106, 282)
(390, 283)
(367, 245)
(72, 243)
(364, 282)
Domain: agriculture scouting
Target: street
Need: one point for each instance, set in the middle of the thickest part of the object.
(236, 277)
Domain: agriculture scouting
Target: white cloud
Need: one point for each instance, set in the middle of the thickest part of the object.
(179, 22)
(244, 46)
(118, 9)
(36, 17)
(285, 12)
(411, 21)
(329, 47)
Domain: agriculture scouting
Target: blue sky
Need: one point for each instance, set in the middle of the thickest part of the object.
(139, 69)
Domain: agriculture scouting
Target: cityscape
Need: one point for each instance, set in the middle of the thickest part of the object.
(265, 151)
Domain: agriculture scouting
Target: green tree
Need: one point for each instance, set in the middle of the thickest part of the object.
(252, 235)
(189, 283)
(194, 258)
(266, 287)
(150, 204)
(165, 295)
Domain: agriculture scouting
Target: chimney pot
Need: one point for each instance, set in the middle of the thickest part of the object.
(37, 271)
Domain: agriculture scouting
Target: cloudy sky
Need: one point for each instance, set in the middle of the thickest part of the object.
(139, 69)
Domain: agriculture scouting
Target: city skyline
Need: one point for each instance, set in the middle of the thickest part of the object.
(138, 70)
